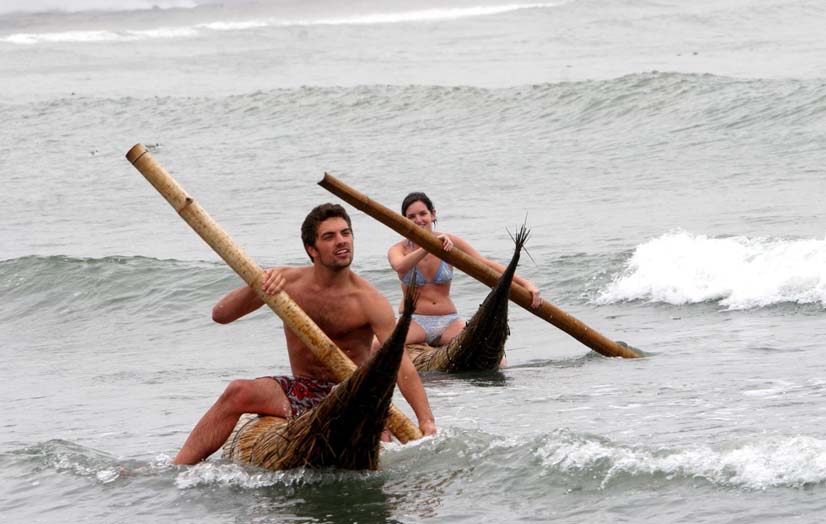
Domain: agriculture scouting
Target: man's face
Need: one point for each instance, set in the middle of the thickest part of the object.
(333, 244)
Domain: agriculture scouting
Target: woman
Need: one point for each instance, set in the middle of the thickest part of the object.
(435, 320)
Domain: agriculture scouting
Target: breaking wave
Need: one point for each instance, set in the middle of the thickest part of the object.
(735, 272)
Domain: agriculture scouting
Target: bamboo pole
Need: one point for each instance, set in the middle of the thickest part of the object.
(476, 269)
(293, 316)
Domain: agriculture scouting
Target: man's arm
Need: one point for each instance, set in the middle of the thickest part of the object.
(383, 321)
(244, 300)
(413, 390)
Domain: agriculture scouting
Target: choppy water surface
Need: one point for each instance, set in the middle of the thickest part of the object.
(667, 157)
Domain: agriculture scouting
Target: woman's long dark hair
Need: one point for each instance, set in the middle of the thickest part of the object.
(416, 197)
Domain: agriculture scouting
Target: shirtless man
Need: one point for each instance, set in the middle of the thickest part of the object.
(345, 306)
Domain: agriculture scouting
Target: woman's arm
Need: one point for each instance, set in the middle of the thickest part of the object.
(402, 263)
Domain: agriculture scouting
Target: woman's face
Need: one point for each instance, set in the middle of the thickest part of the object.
(420, 215)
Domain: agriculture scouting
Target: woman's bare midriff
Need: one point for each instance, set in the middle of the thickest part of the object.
(434, 299)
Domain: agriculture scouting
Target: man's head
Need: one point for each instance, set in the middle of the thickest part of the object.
(328, 236)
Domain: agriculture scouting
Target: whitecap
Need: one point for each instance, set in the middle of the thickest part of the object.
(736, 272)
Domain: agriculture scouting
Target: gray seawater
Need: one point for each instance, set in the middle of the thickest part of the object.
(668, 158)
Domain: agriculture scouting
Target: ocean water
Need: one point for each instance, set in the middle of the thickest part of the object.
(667, 156)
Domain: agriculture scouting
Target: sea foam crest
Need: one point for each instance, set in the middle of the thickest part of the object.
(249, 477)
(72, 458)
(737, 272)
(794, 461)
(423, 15)
(76, 6)
(101, 36)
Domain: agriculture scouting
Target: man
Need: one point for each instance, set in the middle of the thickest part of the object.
(345, 306)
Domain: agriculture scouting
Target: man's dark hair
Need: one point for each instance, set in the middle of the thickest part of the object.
(416, 197)
(309, 228)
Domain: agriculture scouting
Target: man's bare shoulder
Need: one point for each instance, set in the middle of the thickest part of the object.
(295, 273)
(361, 284)
(367, 292)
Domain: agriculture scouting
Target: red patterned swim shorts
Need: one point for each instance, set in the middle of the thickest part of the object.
(304, 393)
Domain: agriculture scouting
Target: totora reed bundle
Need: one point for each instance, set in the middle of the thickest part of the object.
(481, 345)
(343, 431)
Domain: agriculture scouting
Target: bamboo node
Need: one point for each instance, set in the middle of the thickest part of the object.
(187, 202)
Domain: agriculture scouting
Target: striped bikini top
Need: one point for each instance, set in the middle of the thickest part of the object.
(443, 275)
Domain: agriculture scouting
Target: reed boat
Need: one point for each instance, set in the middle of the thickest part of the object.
(481, 345)
(342, 431)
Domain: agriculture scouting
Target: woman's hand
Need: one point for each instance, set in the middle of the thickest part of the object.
(447, 243)
(536, 300)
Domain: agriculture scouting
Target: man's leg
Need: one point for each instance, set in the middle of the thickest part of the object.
(263, 396)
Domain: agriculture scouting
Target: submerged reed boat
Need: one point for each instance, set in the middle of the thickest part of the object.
(481, 345)
(343, 431)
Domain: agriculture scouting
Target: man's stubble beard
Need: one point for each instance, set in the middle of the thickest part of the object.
(335, 265)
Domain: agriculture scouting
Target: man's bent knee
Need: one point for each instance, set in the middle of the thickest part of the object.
(238, 394)
(262, 395)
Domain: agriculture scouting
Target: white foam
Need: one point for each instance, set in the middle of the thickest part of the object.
(774, 462)
(100, 36)
(230, 474)
(425, 15)
(236, 26)
(737, 272)
(208, 473)
(65, 36)
(75, 6)
(164, 32)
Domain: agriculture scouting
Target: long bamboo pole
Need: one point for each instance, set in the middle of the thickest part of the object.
(476, 269)
(293, 316)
